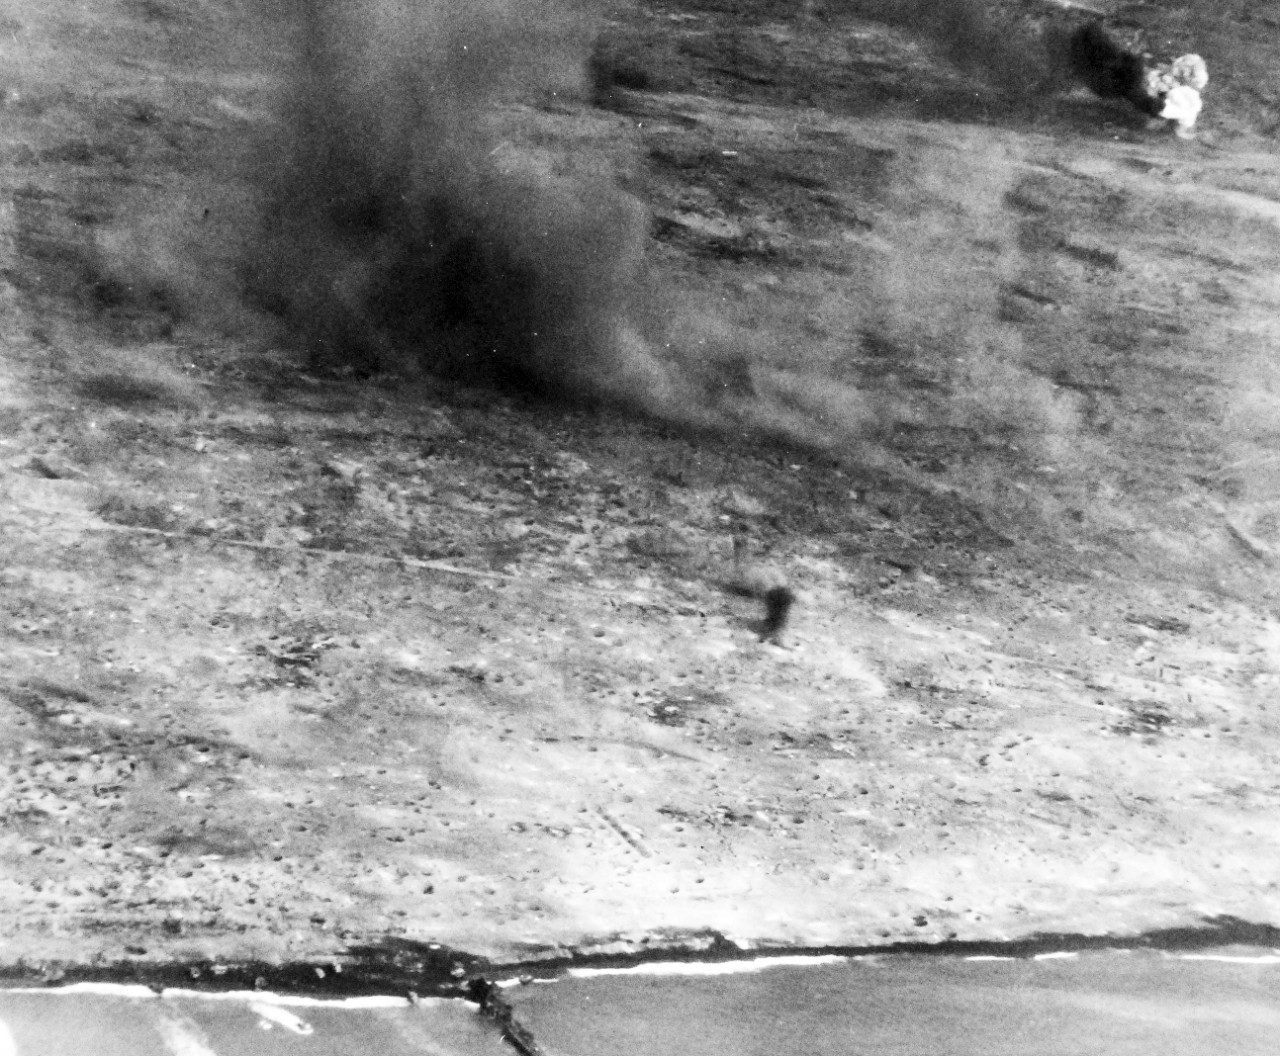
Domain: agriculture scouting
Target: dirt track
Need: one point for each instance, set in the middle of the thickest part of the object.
(246, 709)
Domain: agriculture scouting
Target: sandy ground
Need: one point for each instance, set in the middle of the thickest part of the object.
(293, 661)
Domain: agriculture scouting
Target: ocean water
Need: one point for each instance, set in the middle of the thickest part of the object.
(1134, 1003)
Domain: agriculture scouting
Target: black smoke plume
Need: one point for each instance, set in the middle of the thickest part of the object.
(1108, 69)
(397, 232)
(1018, 58)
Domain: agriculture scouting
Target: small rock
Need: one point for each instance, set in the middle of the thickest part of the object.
(347, 471)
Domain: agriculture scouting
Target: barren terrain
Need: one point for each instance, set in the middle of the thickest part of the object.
(297, 658)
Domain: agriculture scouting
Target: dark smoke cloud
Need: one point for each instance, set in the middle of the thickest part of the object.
(397, 231)
(405, 209)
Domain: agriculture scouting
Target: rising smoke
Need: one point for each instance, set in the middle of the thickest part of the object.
(407, 219)
(401, 228)
(398, 232)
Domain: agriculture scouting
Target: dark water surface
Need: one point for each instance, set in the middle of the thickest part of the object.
(1133, 1003)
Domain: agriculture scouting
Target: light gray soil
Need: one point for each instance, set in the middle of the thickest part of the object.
(292, 662)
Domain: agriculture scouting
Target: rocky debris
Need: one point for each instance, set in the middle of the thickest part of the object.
(496, 1008)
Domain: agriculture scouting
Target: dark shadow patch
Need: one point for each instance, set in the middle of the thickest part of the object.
(82, 152)
(1146, 718)
(1094, 258)
(679, 706)
(152, 10)
(121, 390)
